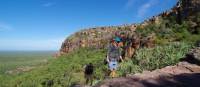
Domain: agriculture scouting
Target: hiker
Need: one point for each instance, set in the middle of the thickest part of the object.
(113, 56)
(123, 44)
(89, 69)
(126, 40)
(120, 44)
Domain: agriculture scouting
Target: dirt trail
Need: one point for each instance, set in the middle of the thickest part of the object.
(182, 74)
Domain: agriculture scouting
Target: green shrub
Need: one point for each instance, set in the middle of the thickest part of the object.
(160, 56)
(154, 58)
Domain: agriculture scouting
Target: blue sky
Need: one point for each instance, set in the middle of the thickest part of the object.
(44, 24)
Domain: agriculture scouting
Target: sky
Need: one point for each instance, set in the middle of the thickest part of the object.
(44, 24)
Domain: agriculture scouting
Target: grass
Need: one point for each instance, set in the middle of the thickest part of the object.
(11, 60)
(68, 69)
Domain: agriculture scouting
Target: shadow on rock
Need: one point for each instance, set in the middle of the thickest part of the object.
(182, 80)
(193, 56)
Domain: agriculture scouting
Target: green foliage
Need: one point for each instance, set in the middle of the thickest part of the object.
(64, 71)
(145, 31)
(168, 30)
(68, 69)
(160, 56)
(11, 60)
(128, 67)
(154, 58)
(182, 33)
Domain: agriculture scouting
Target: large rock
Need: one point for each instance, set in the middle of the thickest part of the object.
(193, 56)
(198, 43)
(181, 75)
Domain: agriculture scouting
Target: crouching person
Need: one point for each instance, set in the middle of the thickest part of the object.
(89, 69)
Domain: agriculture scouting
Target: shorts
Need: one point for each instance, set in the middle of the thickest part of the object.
(113, 65)
(89, 77)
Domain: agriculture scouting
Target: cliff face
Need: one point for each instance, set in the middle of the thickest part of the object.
(99, 37)
(94, 37)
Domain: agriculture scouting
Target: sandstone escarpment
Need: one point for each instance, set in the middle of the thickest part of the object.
(184, 10)
(94, 37)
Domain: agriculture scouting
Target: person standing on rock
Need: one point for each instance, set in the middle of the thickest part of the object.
(113, 56)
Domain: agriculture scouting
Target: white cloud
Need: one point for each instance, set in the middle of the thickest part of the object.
(48, 4)
(5, 27)
(28, 44)
(145, 7)
(129, 4)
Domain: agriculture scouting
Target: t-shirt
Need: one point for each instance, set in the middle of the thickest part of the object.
(113, 52)
(89, 69)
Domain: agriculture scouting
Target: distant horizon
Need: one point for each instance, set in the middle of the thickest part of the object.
(29, 50)
(44, 25)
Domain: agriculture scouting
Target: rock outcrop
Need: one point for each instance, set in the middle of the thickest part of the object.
(99, 37)
(95, 37)
(193, 56)
(181, 75)
(195, 53)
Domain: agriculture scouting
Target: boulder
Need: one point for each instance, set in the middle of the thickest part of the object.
(193, 56)
(198, 43)
(195, 53)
